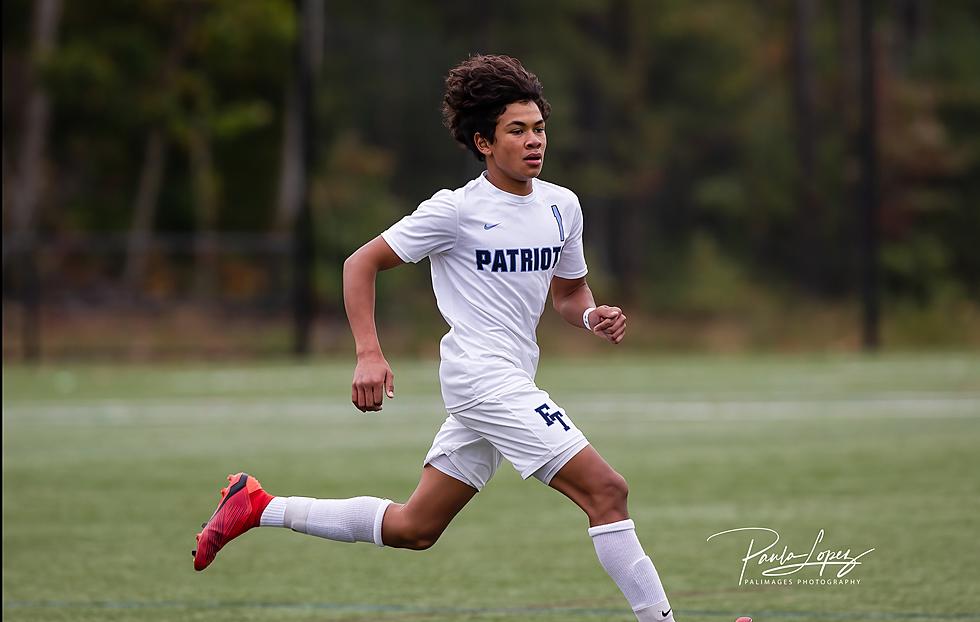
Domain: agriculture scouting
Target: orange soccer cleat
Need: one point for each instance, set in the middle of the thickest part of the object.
(242, 503)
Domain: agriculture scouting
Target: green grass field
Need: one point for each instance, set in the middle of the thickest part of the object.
(108, 472)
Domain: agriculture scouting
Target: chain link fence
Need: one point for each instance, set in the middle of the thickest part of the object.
(102, 296)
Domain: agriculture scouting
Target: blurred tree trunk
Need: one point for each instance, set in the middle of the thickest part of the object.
(626, 226)
(908, 14)
(144, 207)
(154, 161)
(205, 182)
(307, 59)
(593, 149)
(618, 211)
(593, 152)
(292, 174)
(808, 215)
(847, 50)
(8, 184)
(27, 174)
(26, 193)
(638, 200)
(870, 201)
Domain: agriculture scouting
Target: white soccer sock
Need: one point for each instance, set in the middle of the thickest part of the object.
(344, 520)
(274, 513)
(623, 558)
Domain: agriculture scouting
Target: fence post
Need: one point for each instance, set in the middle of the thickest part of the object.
(31, 299)
(869, 182)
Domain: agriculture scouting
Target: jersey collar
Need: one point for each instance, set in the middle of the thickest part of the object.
(503, 195)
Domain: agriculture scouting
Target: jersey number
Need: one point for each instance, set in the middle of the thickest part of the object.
(561, 227)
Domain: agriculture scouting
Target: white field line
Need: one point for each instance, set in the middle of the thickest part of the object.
(613, 407)
(877, 407)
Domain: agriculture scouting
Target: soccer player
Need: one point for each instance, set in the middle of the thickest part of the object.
(496, 246)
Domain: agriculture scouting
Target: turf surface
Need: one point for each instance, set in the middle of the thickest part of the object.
(108, 471)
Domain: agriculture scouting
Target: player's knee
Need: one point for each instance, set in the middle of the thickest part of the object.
(609, 494)
(615, 488)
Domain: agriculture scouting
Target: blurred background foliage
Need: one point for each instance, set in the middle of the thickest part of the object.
(713, 146)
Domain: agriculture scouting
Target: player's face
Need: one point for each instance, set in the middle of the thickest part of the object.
(517, 153)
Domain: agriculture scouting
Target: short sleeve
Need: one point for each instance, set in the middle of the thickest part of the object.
(432, 228)
(571, 263)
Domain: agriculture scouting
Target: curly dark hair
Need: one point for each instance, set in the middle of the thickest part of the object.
(479, 89)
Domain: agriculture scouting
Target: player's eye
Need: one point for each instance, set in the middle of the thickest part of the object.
(539, 130)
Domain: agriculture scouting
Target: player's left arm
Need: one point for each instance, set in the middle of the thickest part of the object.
(572, 297)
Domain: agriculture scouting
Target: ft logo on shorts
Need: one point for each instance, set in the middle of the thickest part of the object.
(550, 417)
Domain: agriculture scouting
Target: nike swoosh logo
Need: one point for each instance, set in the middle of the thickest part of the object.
(488, 227)
(666, 613)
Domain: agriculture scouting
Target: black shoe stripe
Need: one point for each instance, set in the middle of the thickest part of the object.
(239, 485)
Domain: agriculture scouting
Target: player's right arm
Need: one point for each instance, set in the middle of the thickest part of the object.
(372, 375)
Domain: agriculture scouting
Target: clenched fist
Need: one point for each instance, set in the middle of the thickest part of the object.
(608, 322)
(373, 379)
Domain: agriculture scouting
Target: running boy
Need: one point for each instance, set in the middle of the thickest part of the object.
(496, 246)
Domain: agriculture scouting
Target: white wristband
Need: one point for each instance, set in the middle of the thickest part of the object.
(585, 318)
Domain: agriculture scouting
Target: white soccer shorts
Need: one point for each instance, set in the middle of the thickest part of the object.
(523, 425)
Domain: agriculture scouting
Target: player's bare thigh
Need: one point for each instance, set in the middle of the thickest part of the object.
(589, 481)
(419, 522)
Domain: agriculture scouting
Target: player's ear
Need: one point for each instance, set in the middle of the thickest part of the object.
(482, 144)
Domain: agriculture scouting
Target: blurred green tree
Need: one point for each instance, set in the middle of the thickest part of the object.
(710, 143)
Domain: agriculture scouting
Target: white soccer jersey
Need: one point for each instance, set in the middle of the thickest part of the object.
(493, 255)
